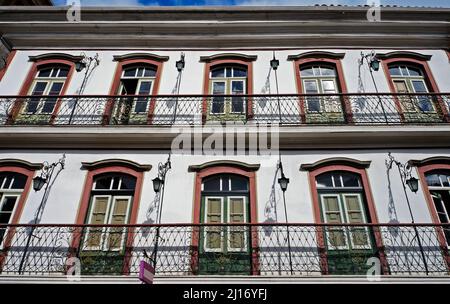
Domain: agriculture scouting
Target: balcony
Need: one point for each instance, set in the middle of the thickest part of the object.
(187, 250)
(188, 110)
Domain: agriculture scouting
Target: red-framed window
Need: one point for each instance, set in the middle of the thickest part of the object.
(16, 178)
(225, 193)
(50, 75)
(111, 196)
(434, 175)
(320, 72)
(136, 74)
(341, 195)
(227, 74)
(409, 72)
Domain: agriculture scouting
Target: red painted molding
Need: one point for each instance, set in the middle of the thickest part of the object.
(370, 205)
(8, 62)
(429, 79)
(26, 86)
(121, 65)
(19, 208)
(251, 175)
(209, 65)
(341, 82)
(85, 201)
(423, 171)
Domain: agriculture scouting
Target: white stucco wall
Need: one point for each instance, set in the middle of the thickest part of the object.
(192, 81)
(65, 196)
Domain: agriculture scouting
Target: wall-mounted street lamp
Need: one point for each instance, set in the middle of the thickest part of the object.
(283, 181)
(274, 64)
(47, 178)
(158, 187)
(413, 183)
(180, 64)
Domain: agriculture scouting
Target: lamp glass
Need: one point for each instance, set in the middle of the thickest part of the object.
(413, 184)
(79, 66)
(283, 181)
(38, 183)
(274, 63)
(157, 183)
(180, 65)
(375, 64)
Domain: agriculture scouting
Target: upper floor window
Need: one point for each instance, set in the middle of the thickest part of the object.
(319, 79)
(228, 80)
(49, 80)
(11, 187)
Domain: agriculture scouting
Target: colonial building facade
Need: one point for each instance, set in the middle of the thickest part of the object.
(224, 144)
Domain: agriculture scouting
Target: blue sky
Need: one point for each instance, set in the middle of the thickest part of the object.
(429, 3)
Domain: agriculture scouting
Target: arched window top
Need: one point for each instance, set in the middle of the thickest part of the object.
(140, 56)
(229, 71)
(114, 182)
(228, 56)
(318, 70)
(138, 70)
(55, 56)
(399, 69)
(225, 183)
(439, 178)
(53, 71)
(12, 181)
(404, 54)
(115, 162)
(317, 55)
(338, 179)
(335, 161)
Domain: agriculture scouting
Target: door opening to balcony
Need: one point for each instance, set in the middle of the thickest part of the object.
(227, 80)
(225, 249)
(103, 248)
(439, 186)
(135, 80)
(342, 202)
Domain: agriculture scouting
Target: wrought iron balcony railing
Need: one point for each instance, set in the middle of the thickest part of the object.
(166, 110)
(233, 249)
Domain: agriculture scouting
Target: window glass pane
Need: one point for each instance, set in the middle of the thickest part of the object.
(220, 72)
(56, 88)
(131, 72)
(8, 203)
(103, 183)
(311, 87)
(445, 180)
(212, 184)
(149, 72)
(404, 71)
(433, 180)
(5, 217)
(45, 72)
(219, 88)
(228, 72)
(394, 71)
(324, 180)
(328, 86)
(419, 86)
(306, 72)
(39, 88)
(140, 72)
(327, 71)
(116, 182)
(350, 180)
(19, 181)
(316, 71)
(237, 87)
(240, 72)
(239, 183)
(145, 87)
(128, 183)
(414, 71)
(63, 72)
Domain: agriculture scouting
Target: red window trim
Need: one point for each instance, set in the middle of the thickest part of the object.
(317, 211)
(224, 169)
(341, 79)
(213, 61)
(122, 63)
(26, 86)
(29, 173)
(8, 62)
(85, 201)
(422, 171)
(429, 79)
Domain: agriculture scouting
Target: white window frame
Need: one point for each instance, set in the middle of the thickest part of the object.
(245, 228)
(361, 208)
(329, 246)
(4, 194)
(244, 101)
(214, 80)
(205, 233)
(318, 92)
